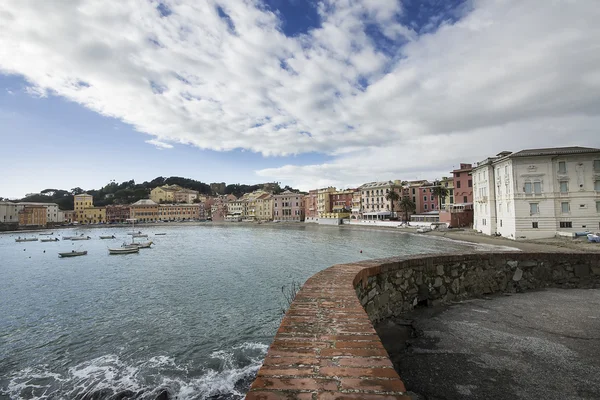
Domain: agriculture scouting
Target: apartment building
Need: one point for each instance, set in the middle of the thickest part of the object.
(288, 206)
(538, 193)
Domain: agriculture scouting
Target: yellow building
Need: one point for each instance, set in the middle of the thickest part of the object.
(324, 200)
(144, 211)
(164, 194)
(448, 183)
(264, 207)
(81, 202)
(33, 215)
(94, 215)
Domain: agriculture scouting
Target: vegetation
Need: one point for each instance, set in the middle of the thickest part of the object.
(129, 191)
(392, 196)
(439, 192)
(408, 206)
(289, 294)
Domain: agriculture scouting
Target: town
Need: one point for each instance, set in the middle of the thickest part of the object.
(529, 194)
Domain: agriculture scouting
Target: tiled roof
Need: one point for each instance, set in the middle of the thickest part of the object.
(144, 202)
(554, 151)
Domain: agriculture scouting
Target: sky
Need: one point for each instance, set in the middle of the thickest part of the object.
(306, 93)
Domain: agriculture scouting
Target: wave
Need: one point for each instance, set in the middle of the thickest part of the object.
(159, 377)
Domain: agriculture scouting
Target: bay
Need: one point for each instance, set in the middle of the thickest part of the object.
(191, 317)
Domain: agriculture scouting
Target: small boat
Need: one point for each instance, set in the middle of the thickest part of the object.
(145, 245)
(73, 253)
(593, 238)
(139, 235)
(159, 234)
(423, 229)
(72, 237)
(49, 240)
(20, 239)
(81, 238)
(46, 234)
(107, 237)
(124, 250)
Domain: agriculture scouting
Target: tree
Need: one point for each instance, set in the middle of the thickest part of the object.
(76, 190)
(392, 196)
(439, 192)
(408, 206)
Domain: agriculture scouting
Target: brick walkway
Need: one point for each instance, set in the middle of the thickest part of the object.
(326, 347)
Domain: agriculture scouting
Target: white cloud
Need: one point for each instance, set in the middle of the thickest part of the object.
(510, 74)
(159, 145)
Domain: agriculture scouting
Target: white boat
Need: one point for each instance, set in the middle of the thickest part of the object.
(81, 238)
(49, 240)
(593, 238)
(46, 234)
(124, 250)
(107, 237)
(71, 237)
(72, 253)
(139, 235)
(20, 239)
(145, 245)
(424, 229)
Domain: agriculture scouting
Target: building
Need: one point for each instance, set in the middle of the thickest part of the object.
(324, 200)
(164, 194)
(264, 207)
(463, 184)
(218, 207)
(356, 210)
(144, 211)
(310, 206)
(9, 214)
(448, 184)
(374, 204)
(52, 211)
(94, 215)
(218, 188)
(341, 201)
(69, 216)
(457, 207)
(80, 203)
(117, 214)
(180, 212)
(426, 200)
(33, 216)
(185, 196)
(538, 193)
(288, 206)
(237, 209)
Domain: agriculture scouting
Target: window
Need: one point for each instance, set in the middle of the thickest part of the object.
(566, 224)
(564, 187)
(537, 187)
(464, 199)
(597, 165)
(451, 200)
(598, 206)
(431, 197)
(534, 225)
(597, 186)
(458, 184)
(424, 198)
(457, 174)
(425, 206)
(565, 207)
(562, 167)
(470, 184)
(528, 187)
(534, 208)
(483, 222)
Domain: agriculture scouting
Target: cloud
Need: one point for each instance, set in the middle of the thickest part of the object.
(382, 99)
(158, 144)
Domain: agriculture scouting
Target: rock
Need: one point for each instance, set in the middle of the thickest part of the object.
(518, 275)
(455, 287)
(443, 290)
(581, 271)
(596, 270)
(438, 282)
(163, 395)
(440, 270)
(512, 263)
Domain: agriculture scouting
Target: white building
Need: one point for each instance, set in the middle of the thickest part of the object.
(537, 193)
(8, 212)
(52, 211)
(374, 204)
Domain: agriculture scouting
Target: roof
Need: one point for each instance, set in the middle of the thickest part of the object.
(554, 151)
(376, 184)
(145, 202)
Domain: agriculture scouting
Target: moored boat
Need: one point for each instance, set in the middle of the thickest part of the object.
(124, 250)
(81, 238)
(159, 234)
(72, 253)
(139, 235)
(145, 245)
(20, 239)
(107, 237)
(49, 240)
(46, 234)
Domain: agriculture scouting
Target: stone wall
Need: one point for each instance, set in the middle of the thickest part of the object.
(397, 286)
(326, 347)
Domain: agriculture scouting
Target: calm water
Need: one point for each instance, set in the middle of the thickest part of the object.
(193, 316)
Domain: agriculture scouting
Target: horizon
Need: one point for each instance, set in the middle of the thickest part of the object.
(309, 94)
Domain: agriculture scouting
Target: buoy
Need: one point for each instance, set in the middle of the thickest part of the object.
(23, 249)
(361, 251)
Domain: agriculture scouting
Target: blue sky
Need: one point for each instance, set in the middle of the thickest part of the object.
(307, 93)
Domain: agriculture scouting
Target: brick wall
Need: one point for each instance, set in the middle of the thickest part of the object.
(326, 347)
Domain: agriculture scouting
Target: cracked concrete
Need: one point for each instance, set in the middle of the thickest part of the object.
(535, 345)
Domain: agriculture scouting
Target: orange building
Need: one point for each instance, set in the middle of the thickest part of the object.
(33, 215)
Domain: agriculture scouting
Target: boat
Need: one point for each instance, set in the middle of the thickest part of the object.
(139, 235)
(72, 253)
(81, 238)
(71, 237)
(46, 234)
(593, 238)
(50, 240)
(124, 250)
(159, 234)
(107, 237)
(20, 239)
(424, 229)
(145, 245)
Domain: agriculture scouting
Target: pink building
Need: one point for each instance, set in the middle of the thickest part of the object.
(310, 205)
(341, 201)
(463, 184)
(426, 200)
(288, 206)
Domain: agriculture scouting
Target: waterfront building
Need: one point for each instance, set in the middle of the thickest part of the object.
(288, 206)
(538, 193)
(356, 210)
(117, 213)
(8, 212)
(33, 216)
(80, 203)
(178, 212)
(448, 184)
(324, 200)
(185, 196)
(218, 207)
(69, 216)
(164, 194)
(310, 206)
(341, 201)
(236, 209)
(374, 203)
(264, 207)
(94, 215)
(144, 210)
(52, 216)
(459, 211)
(426, 200)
